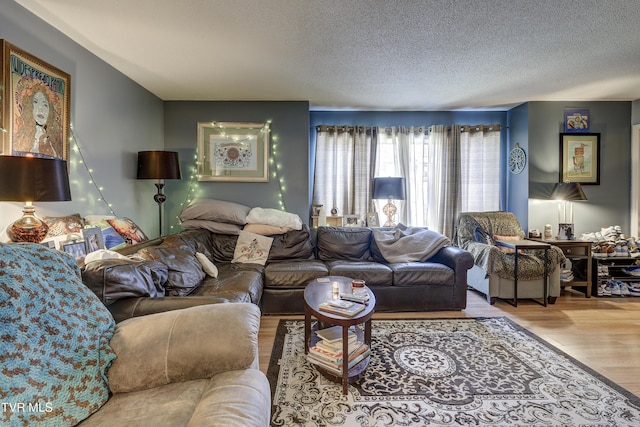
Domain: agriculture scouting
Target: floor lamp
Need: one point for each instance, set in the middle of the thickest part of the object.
(32, 179)
(159, 165)
(390, 188)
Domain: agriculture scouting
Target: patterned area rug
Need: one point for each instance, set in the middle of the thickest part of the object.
(447, 372)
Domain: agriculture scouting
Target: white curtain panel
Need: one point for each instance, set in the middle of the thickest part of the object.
(479, 169)
(447, 170)
(345, 160)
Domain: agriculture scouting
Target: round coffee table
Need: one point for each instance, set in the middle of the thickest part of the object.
(321, 290)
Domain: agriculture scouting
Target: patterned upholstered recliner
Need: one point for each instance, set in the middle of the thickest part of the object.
(493, 270)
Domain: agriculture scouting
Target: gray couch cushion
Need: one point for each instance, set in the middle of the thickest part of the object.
(292, 245)
(344, 243)
(240, 282)
(185, 271)
(373, 273)
(294, 274)
(421, 273)
(115, 279)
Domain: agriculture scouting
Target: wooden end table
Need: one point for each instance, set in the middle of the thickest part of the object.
(316, 293)
(576, 249)
(518, 245)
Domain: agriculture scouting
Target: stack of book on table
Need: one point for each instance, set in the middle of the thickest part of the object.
(341, 307)
(327, 353)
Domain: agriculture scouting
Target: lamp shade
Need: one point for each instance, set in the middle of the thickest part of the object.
(33, 179)
(568, 191)
(388, 188)
(158, 165)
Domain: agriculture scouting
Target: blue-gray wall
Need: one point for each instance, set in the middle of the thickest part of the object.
(609, 202)
(517, 186)
(112, 117)
(289, 132)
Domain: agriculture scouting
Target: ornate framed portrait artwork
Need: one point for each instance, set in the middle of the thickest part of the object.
(34, 105)
(233, 151)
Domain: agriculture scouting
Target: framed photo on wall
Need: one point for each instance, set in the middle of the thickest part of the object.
(34, 105)
(576, 120)
(580, 158)
(233, 151)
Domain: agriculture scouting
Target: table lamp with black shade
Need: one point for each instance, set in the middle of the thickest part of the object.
(159, 165)
(390, 188)
(32, 179)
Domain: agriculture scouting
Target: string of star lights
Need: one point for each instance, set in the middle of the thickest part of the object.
(191, 191)
(276, 167)
(75, 147)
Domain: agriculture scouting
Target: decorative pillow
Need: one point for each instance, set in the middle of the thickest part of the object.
(265, 229)
(252, 248)
(55, 339)
(215, 227)
(112, 240)
(207, 266)
(274, 217)
(60, 225)
(506, 239)
(128, 230)
(98, 220)
(216, 210)
(482, 236)
(185, 271)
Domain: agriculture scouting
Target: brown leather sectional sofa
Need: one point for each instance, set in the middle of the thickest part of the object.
(165, 274)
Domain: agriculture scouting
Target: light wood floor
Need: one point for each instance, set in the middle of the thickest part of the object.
(602, 333)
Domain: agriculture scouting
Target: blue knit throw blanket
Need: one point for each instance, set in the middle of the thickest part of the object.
(54, 339)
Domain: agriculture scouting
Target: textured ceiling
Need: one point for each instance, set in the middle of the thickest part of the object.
(364, 54)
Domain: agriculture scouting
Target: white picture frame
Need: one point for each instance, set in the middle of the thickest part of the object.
(233, 151)
(372, 219)
(75, 248)
(566, 231)
(93, 239)
(352, 220)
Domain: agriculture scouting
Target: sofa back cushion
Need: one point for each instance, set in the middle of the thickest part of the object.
(294, 244)
(115, 279)
(184, 270)
(344, 243)
(223, 247)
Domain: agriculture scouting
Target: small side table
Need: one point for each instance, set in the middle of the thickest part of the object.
(315, 293)
(576, 249)
(518, 245)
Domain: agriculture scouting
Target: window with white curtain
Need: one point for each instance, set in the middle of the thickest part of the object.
(447, 170)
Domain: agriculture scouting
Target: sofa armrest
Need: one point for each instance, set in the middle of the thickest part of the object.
(453, 257)
(141, 306)
(193, 343)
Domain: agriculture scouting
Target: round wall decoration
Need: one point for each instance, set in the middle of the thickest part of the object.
(517, 159)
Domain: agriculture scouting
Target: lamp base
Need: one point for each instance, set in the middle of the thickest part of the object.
(29, 228)
(389, 210)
